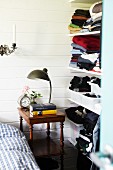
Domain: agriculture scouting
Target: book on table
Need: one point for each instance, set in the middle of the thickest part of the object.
(43, 109)
(43, 106)
(45, 112)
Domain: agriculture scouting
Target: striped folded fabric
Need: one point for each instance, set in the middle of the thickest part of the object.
(15, 153)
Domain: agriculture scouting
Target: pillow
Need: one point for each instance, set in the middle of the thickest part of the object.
(14, 143)
(9, 131)
(17, 160)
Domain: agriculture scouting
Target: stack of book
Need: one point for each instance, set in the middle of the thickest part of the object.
(43, 109)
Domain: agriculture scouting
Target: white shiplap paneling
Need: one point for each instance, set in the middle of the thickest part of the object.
(42, 41)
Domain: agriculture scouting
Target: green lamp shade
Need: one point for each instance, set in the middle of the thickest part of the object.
(41, 74)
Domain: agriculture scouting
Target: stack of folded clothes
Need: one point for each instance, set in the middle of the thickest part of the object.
(76, 52)
(85, 52)
(87, 61)
(84, 84)
(90, 42)
(78, 20)
(80, 84)
(94, 22)
(86, 48)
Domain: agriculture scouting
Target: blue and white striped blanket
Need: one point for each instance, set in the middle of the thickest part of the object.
(15, 153)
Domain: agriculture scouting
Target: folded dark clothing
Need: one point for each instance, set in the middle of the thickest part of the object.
(90, 95)
(87, 23)
(82, 12)
(100, 60)
(84, 133)
(76, 55)
(75, 80)
(82, 60)
(78, 22)
(90, 120)
(84, 85)
(79, 49)
(86, 66)
(73, 116)
(96, 81)
(97, 22)
(92, 51)
(80, 84)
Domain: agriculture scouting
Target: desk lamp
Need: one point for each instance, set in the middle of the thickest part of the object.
(41, 74)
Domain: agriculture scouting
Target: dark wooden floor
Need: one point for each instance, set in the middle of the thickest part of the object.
(70, 160)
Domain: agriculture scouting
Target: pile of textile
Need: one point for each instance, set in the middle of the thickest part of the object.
(86, 48)
(78, 20)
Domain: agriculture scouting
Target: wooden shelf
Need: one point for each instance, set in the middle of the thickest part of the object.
(85, 33)
(85, 71)
(93, 104)
(97, 111)
(83, 1)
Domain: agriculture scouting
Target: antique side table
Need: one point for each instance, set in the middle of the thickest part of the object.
(36, 119)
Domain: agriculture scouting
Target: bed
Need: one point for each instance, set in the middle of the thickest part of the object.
(15, 153)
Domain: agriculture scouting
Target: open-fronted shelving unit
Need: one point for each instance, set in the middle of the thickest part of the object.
(83, 1)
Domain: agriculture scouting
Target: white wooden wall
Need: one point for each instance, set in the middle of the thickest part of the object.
(42, 41)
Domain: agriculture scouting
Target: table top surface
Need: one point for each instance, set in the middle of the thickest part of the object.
(26, 114)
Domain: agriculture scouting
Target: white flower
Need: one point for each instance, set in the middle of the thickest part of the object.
(33, 95)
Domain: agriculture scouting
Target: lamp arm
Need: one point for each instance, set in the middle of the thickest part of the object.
(50, 91)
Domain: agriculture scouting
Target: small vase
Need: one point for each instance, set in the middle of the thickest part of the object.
(33, 101)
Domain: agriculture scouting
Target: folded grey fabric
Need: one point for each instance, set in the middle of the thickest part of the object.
(82, 60)
(88, 23)
(78, 46)
(97, 21)
(95, 9)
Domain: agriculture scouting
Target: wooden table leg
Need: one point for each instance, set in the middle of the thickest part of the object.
(30, 141)
(61, 136)
(31, 132)
(48, 130)
(21, 123)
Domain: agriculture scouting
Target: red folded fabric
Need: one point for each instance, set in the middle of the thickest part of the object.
(74, 60)
(79, 17)
(88, 42)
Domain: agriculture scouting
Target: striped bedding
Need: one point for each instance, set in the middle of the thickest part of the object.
(15, 153)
